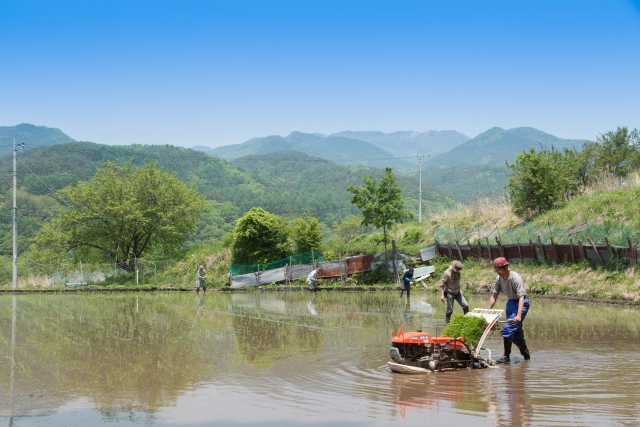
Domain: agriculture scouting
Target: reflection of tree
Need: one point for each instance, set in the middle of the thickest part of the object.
(263, 342)
(109, 349)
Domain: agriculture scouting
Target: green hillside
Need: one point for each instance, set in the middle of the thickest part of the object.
(32, 136)
(339, 150)
(288, 183)
(496, 145)
(408, 143)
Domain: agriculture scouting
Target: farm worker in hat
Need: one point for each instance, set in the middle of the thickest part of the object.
(512, 285)
(450, 289)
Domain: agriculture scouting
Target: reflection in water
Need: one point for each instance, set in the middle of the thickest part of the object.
(160, 359)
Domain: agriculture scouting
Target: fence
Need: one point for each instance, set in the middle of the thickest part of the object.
(290, 272)
(145, 272)
(575, 251)
(616, 234)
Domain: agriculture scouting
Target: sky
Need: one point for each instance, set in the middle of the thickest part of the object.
(216, 73)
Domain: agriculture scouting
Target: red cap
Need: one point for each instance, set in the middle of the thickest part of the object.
(500, 262)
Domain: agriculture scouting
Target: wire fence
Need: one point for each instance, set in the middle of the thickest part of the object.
(143, 272)
(617, 234)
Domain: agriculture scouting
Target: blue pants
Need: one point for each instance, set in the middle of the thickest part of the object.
(513, 330)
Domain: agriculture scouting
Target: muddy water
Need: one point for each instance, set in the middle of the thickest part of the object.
(299, 359)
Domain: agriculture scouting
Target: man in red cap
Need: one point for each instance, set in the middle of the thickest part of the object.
(512, 285)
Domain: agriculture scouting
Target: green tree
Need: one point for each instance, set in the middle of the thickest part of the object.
(542, 180)
(380, 202)
(307, 234)
(260, 237)
(617, 151)
(121, 212)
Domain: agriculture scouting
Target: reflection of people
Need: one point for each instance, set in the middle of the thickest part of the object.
(200, 280)
(312, 280)
(512, 285)
(407, 281)
(450, 289)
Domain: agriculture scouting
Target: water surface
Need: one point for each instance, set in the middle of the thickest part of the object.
(299, 359)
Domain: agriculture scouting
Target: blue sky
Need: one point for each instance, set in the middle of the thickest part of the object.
(220, 72)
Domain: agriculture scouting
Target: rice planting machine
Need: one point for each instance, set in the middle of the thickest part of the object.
(419, 352)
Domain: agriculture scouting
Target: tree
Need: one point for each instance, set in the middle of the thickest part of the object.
(381, 203)
(307, 234)
(617, 151)
(120, 213)
(260, 237)
(542, 180)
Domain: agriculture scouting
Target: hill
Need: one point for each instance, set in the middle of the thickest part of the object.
(289, 183)
(409, 143)
(340, 150)
(31, 135)
(292, 171)
(496, 145)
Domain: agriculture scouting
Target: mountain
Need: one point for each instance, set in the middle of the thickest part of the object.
(409, 143)
(496, 145)
(31, 135)
(287, 183)
(340, 150)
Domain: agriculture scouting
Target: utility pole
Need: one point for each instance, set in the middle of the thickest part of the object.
(16, 147)
(419, 157)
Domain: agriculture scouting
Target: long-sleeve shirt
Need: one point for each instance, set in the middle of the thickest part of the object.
(513, 287)
(450, 281)
(313, 276)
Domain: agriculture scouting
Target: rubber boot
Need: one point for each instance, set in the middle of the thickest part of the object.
(524, 351)
(447, 319)
(465, 310)
(507, 351)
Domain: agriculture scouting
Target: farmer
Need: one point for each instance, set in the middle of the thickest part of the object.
(450, 289)
(200, 279)
(512, 285)
(407, 281)
(312, 280)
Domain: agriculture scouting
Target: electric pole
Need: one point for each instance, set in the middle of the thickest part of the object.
(420, 187)
(16, 147)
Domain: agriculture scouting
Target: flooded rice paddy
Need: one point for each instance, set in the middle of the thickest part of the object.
(281, 359)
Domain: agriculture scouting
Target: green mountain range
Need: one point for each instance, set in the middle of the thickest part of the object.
(340, 150)
(287, 183)
(496, 145)
(408, 143)
(30, 135)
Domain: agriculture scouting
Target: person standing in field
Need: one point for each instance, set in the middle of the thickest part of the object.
(512, 285)
(450, 289)
(407, 281)
(312, 280)
(200, 281)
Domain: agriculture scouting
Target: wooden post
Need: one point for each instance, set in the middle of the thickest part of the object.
(606, 241)
(395, 263)
(519, 250)
(544, 256)
(583, 255)
(500, 248)
(596, 250)
(533, 249)
(557, 251)
(573, 256)
(632, 253)
(489, 247)
(450, 250)
(470, 248)
(479, 249)
(459, 250)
